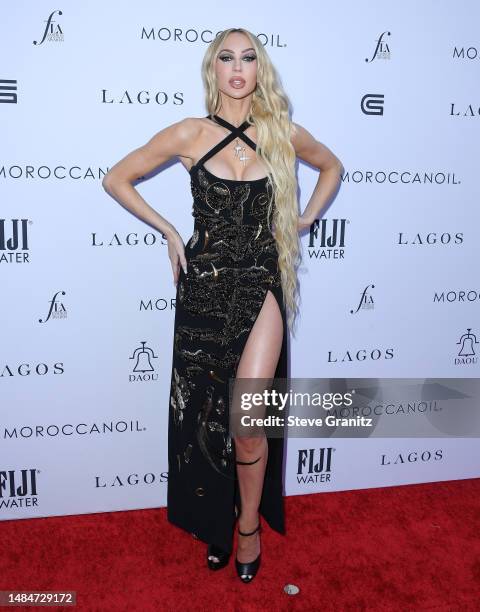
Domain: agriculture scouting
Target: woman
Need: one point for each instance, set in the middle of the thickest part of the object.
(236, 288)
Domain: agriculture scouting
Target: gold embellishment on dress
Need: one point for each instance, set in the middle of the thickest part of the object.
(214, 426)
(214, 272)
(217, 196)
(215, 376)
(179, 396)
(194, 238)
(207, 238)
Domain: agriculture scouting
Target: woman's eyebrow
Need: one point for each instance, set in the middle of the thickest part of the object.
(249, 49)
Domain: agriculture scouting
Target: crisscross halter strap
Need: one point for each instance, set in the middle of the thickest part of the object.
(234, 133)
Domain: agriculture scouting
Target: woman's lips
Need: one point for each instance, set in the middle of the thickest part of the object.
(237, 82)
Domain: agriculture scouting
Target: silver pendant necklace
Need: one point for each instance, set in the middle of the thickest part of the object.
(240, 152)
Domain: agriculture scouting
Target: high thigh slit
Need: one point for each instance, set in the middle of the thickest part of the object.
(232, 263)
(272, 325)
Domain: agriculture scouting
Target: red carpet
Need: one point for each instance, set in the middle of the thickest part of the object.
(410, 548)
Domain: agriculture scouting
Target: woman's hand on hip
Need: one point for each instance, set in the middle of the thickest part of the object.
(176, 253)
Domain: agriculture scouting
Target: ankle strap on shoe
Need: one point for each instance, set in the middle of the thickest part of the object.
(248, 533)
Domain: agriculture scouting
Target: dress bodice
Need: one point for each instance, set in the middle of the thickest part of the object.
(218, 201)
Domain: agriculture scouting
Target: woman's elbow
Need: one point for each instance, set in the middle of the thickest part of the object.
(110, 183)
(106, 182)
(337, 164)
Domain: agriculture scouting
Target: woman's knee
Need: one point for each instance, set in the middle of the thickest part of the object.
(250, 445)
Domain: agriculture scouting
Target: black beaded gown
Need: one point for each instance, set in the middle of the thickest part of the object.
(232, 261)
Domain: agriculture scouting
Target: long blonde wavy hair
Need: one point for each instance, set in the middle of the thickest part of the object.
(269, 113)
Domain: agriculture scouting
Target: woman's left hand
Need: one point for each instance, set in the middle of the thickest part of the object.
(302, 223)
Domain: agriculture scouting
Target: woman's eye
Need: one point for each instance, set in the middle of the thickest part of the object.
(226, 58)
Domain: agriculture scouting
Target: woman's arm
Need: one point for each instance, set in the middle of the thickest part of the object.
(317, 154)
(174, 140)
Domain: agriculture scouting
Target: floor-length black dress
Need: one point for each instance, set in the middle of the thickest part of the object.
(232, 261)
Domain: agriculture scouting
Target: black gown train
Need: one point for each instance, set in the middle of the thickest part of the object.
(232, 261)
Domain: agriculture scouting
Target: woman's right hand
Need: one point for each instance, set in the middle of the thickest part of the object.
(176, 253)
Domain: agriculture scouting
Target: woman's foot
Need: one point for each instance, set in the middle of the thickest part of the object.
(247, 559)
(248, 546)
(216, 557)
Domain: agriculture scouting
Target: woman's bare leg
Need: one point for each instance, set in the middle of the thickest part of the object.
(259, 360)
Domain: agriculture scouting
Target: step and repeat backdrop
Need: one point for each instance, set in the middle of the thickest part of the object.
(389, 284)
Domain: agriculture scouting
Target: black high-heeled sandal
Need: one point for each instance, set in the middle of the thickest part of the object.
(217, 557)
(247, 571)
(221, 558)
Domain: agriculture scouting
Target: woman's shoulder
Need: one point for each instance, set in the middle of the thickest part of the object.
(189, 129)
(191, 125)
